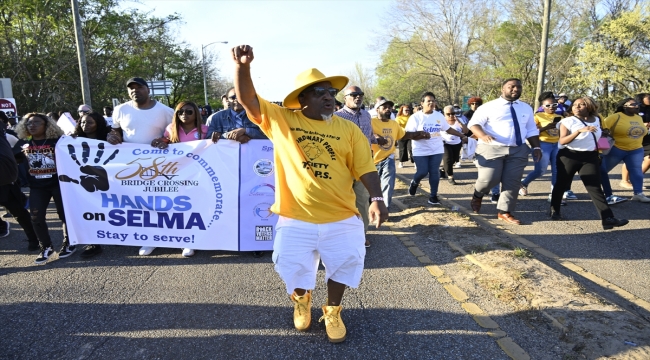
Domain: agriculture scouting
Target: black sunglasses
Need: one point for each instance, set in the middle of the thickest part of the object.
(320, 91)
(448, 114)
(188, 112)
(84, 112)
(234, 97)
(355, 94)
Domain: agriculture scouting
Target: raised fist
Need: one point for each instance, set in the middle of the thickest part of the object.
(242, 54)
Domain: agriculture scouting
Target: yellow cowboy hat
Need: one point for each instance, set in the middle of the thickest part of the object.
(307, 78)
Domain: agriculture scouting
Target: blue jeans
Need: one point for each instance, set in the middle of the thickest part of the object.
(632, 159)
(428, 165)
(549, 155)
(386, 170)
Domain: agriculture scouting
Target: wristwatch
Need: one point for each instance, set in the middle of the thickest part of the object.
(376, 199)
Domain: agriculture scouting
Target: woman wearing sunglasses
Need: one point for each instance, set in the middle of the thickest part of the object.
(186, 126)
(549, 134)
(643, 100)
(579, 136)
(405, 151)
(627, 129)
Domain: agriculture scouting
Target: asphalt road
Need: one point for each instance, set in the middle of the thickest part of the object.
(621, 256)
(231, 305)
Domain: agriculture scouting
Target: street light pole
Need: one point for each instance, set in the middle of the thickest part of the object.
(541, 71)
(81, 54)
(205, 84)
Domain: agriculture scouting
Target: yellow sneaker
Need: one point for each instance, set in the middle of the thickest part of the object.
(302, 311)
(333, 323)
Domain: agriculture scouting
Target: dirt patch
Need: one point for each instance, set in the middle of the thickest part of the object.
(589, 326)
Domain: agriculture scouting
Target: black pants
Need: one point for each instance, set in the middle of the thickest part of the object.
(405, 151)
(586, 164)
(39, 199)
(450, 157)
(13, 199)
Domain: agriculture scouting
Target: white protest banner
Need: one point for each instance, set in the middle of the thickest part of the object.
(257, 194)
(185, 196)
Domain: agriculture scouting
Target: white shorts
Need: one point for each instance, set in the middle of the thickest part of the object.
(300, 245)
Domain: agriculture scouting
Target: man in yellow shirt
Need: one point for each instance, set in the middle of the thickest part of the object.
(317, 155)
(387, 132)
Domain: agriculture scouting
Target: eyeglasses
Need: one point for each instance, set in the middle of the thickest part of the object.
(185, 112)
(471, 104)
(84, 111)
(320, 91)
(233, 97)
(554, 105)
(448, 114)
(631, 105)
(356, 93)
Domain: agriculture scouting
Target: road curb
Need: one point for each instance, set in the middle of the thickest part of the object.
(481, 318)
(615, 289)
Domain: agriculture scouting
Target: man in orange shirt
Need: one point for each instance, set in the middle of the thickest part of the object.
(317, 155)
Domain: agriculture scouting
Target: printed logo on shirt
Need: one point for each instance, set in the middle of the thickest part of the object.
(263, 167)
(389, 142)
(263, 211)
(263, 233)
(41, 161)
(636, 131)
(263, 190)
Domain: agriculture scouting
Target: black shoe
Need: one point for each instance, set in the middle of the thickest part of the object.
(555, 215)
(66, 251)
(33, 246)
(5, 231)
(433, 200)
(413, 188)
(258, 254)
(611, 223)
(451, 181)
(443, 175)
(90, 251)
(495, 198)
(44, 256)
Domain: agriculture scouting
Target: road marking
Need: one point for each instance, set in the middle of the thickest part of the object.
(478, 315)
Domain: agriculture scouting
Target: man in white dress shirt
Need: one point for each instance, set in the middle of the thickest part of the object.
(502, 152)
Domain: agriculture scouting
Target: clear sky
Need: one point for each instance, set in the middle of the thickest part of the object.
(287, 36)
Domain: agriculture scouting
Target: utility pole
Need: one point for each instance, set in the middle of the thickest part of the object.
(542, 54)
(81, 54)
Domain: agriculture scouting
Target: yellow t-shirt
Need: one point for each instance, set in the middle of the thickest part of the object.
(402, 120)
(315, 163)
(551, 135)
(629, 131)
(391, 131)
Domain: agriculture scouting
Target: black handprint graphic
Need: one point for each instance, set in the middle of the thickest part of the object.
(96, 178)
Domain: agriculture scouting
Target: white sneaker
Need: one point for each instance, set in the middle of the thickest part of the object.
(457, 165)
(400, 165)
(613, 199)
(146, 250)
(641, 198)
(188, 252)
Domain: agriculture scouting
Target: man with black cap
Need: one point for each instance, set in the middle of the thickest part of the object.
(387, 132)
(139, 121)
(317, 155)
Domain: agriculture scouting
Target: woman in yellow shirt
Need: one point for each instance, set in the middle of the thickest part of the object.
(628, 130)
(405, 151)
(549, 134)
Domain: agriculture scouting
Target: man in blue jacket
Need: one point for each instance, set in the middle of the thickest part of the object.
(233, 123)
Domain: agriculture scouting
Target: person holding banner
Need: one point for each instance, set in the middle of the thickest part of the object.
(185, 126)
(92, 125)
(317, 156)
(139, 121)
(42, 134)
(233, 123)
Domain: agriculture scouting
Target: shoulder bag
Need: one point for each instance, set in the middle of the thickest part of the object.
(606, 141)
